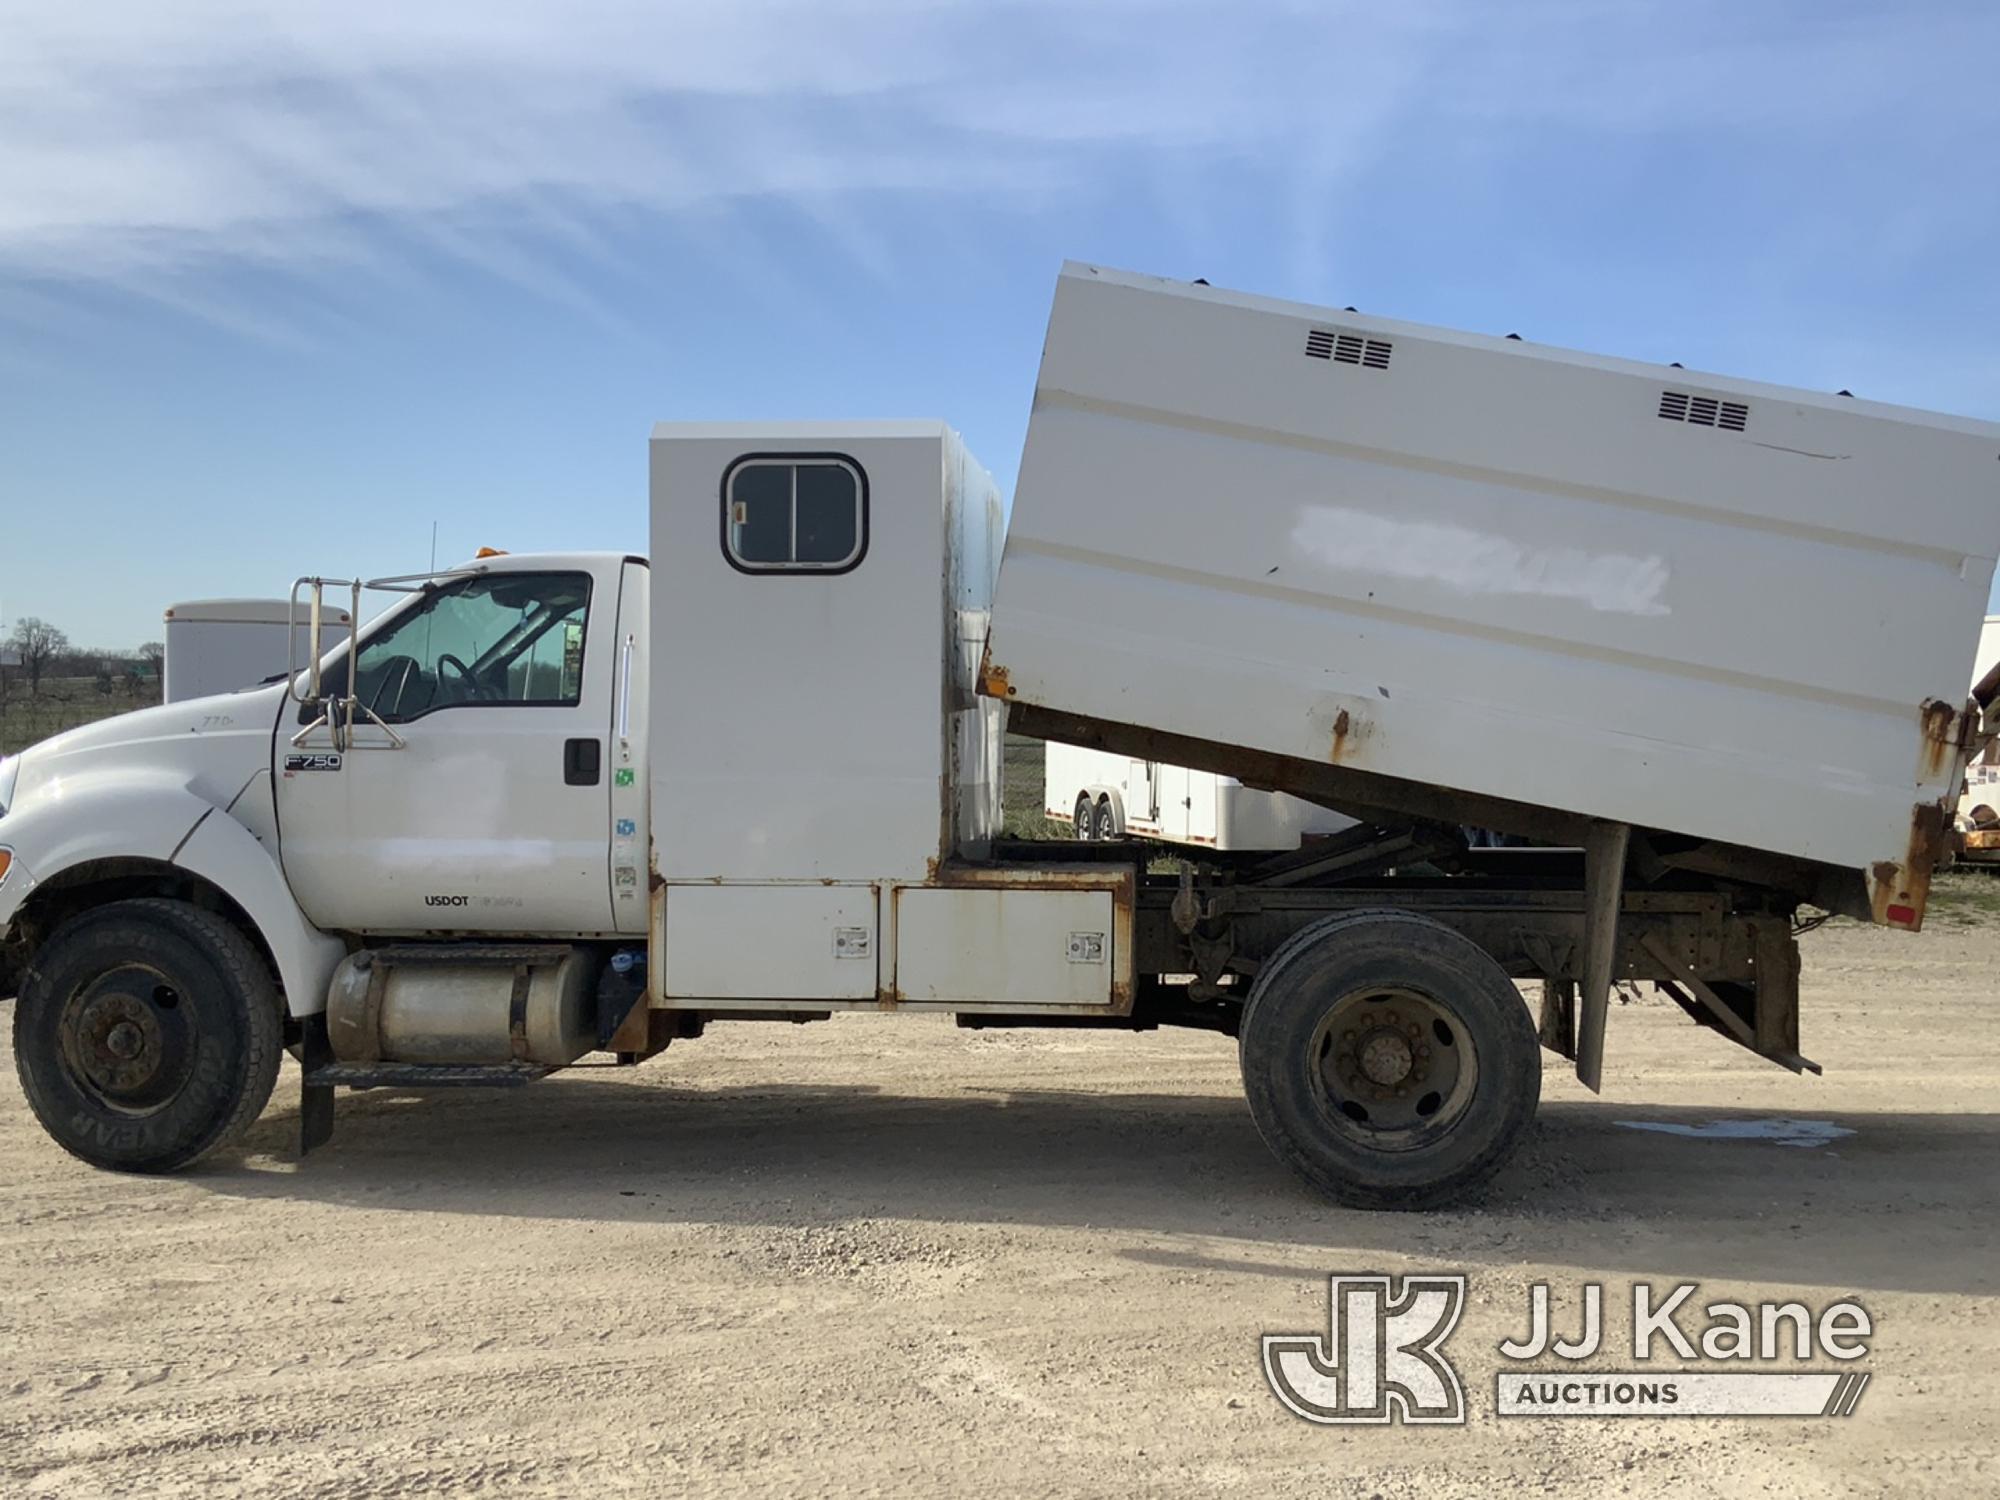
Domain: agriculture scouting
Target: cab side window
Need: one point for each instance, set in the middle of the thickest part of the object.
(512, 638)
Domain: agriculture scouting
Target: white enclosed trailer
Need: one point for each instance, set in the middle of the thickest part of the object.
(1103, 796)
(220, 645)
(542, 806)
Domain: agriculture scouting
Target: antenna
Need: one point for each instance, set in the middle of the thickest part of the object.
(434, 546)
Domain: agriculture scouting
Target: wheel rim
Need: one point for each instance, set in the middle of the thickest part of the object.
(129, 1039)
(1392, 1068)
(1086, 819)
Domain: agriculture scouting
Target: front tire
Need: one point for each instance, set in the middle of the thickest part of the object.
(1388, 1060)
(147, 1033)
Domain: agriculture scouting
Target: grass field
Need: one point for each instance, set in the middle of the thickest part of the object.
(64, 703)
(1022, 794)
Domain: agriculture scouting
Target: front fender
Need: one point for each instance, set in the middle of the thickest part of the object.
(228, 856)
(160, 819)
(126, 817)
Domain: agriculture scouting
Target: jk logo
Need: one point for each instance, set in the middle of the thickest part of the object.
(1379, 1360)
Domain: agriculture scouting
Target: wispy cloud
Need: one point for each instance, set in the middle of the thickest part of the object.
(141, 143)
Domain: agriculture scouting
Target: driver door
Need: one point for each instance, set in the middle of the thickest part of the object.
(493, 814)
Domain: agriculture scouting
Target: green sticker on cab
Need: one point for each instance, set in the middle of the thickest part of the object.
(624, 777)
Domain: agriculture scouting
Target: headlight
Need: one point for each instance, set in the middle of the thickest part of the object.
(10, 772)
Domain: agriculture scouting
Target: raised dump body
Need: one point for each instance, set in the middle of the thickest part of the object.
(1473, 579)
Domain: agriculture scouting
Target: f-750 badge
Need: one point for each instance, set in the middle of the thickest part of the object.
(311, 763)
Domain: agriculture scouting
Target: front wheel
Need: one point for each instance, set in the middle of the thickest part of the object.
(146, 1034)
(1388, 1060)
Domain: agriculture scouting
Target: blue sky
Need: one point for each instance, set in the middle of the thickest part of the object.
(281, 285)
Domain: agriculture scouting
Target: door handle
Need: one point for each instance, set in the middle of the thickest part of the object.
(583, 762)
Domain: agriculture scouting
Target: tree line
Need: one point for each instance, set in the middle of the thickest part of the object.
(41, 651)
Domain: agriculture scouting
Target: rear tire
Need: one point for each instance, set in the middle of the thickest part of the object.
(1086, 816)
(147, 1033)
(1106, 829)
(1388, 1060)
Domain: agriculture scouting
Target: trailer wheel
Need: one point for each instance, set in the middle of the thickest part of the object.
(1105, 828)
(1388, 1060)
(146, 1034)
(1086, 816)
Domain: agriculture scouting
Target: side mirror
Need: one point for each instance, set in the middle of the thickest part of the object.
(338, 717)
(315, 635)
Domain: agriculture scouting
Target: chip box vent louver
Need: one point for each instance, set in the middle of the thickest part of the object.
(1348, 349)
(1704, 411)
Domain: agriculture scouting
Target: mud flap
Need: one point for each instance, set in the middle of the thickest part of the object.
(315, 1099)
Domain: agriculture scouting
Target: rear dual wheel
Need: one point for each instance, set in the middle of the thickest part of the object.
(147, 1033)
(1388, 1060)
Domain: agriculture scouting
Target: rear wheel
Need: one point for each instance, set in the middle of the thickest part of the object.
(1388, 1060)
(146, 1034)
(1105, 828)
(1086, 816)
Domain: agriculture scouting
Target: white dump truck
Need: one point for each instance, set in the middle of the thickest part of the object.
(219, 645)
(549, 805)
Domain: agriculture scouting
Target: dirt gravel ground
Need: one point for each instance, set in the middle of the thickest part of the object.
(883, 1255)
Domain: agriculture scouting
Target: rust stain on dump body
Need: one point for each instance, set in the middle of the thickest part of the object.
(1943, 736)
(1898, 889)
(993, 681)
(1897, 892)
(1350, 729)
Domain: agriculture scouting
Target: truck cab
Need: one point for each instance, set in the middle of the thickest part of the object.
(191, 877)
(478, 788)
